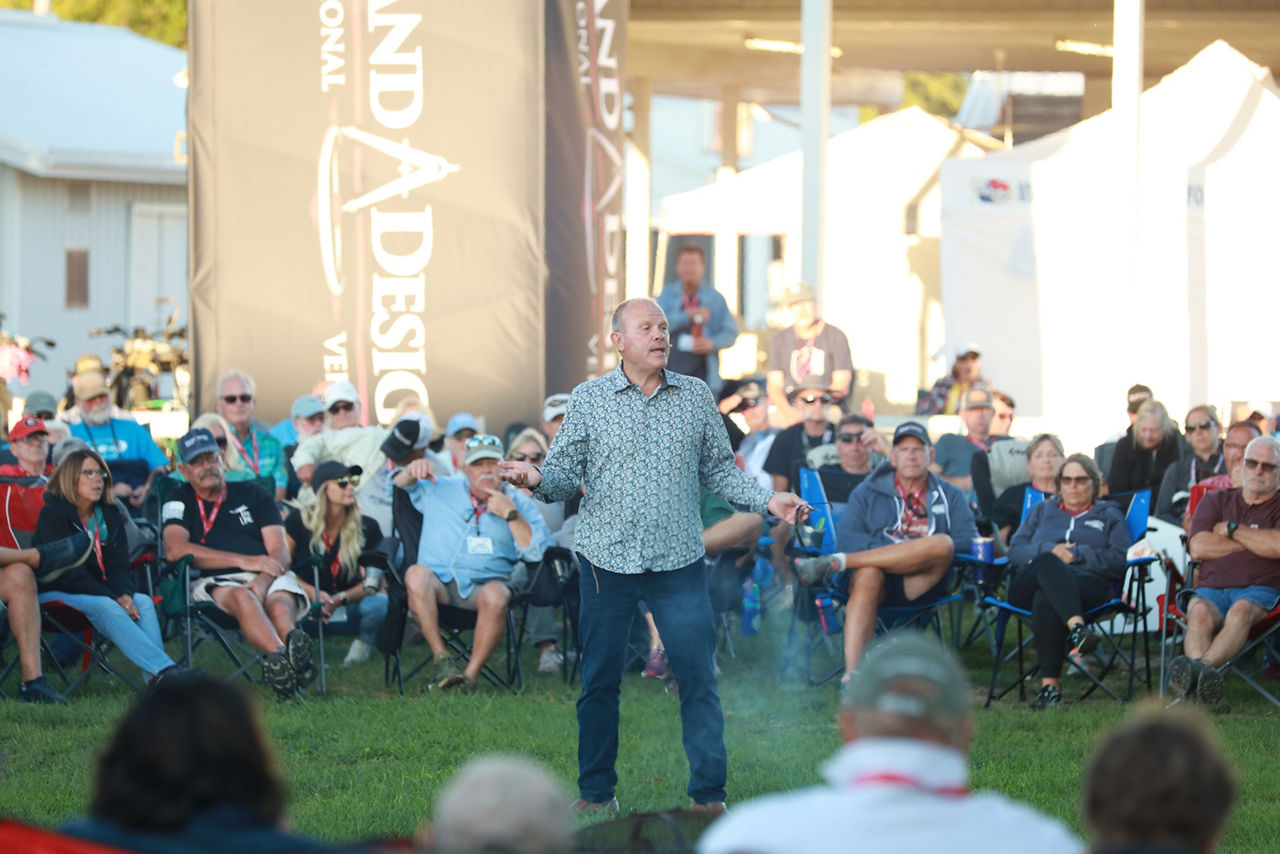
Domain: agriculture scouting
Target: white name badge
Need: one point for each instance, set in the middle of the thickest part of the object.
(480, 545)
(684, 342)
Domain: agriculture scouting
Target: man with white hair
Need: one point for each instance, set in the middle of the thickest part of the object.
(131, 455)
(260, 452)
(500, 803)
(900, 783)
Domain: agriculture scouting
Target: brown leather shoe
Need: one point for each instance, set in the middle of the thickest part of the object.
(591, 808)
(712, 808)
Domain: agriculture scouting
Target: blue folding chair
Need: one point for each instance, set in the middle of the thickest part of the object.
(1128, 602)
(799, 653)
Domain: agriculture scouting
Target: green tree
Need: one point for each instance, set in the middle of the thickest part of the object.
(162, 20)
(940, 93)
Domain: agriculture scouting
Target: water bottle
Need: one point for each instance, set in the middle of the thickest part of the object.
(750, 610)
(827, 613)
(372, 578)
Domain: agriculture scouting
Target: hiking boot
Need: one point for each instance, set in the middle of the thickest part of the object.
(175, 674)
(460, 684)
(358, 654)
(589, 808)
(714, 809)
(1210, 688)
(814, 570)
(61, 555)
(655, 666)
(39, 690)
(1081, 642)
(1184, 672)
(278, 673)
(550, 660)
(448, 670)
(1050, 696)
(298, 647)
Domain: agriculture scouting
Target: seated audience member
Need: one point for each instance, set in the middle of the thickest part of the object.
(409, 439)
(1044, 458)
(1066, 558)
(104, 587)
(1002, 406)
(811, 399)
(553, 410)
(462, 427)
(810, 349)
(1143, 455)
(474, 530)
(40, 404)
(1234, 536)
(900, 781)
(249, 446)
(859, 449)
(947, 393)
(188, 770)
(1239, 435)
(349, 443)
(749, 401)
(1204, 461)
(88, 374)
(1159, 784)
(953, 457)
(500, 803)
(306, 418)
(1105, 453)
(233, 467)
(898, 534)
(233, 534)
(334, 531)
(132, 455)
(23, 482)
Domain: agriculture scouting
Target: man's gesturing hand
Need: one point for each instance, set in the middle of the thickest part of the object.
(520, 474)
(788, 507)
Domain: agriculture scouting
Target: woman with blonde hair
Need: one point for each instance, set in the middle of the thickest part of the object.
(333, 530)
(1143, 454)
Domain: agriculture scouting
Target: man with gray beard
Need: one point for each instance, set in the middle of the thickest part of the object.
(127, 448)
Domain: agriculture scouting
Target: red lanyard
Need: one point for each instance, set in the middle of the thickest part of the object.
(690, 303)
(252, 463)
(478, 509)
(333, 566)
(206, 522)
(903, 781)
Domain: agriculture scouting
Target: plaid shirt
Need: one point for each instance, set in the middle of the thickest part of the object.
(641, 460)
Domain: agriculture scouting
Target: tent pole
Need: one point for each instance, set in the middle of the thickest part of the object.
(1126, 92)
(815, 108)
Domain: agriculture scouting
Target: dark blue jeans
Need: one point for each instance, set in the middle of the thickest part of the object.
(682, 611)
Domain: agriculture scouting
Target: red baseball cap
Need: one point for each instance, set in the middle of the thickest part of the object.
(25, 427)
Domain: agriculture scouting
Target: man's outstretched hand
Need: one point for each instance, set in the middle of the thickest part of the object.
(788, 507)
(519, 474)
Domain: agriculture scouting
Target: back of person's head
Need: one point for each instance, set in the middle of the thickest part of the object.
(1161, 778)
(501, 804)
(181, 750)
(908, 685)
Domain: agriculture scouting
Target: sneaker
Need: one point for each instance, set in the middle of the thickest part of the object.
(583, 807)
(1210, 688)
(655, 666)
(714, 809)
(61, 555)
(460, 684)
(1049, 697)
(1081, 642)
(175, 674)
(39, 690)
(278, 673)
(813, 571)
(448, 670)
(358, 654)
(298, 647)
(1183, 675)
(673, 687)
(551, 659)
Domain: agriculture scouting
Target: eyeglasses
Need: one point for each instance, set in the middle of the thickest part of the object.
(93, 474)
(349, 480)
(36, 439)
(341, 406)
(1260, 465)
(484, 439)
(46, 415)
(811, 398)
(847, 437)
(535, 457)
(1074, 481)
(236, 398)
(1199, 425)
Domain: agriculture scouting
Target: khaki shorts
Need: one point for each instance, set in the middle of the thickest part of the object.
(202, 588)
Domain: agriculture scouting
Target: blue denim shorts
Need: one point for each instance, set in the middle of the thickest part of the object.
(1223, 598)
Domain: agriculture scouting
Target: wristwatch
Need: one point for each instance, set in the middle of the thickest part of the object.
(1231, 530)
(513, 515)
(344, 597)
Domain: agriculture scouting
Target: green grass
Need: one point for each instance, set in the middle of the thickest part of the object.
(362, 762)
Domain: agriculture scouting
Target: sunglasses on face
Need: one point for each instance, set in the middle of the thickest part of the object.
(45, 416)
(341, 406)
(1075, 481)
(484, 439)
(813, 398)
(845, 438)
(535, 457)
(236, 398)
(1193, 426)
(1259, 465)
(349, 480)
(221, 443)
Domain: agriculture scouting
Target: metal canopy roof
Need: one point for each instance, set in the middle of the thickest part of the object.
(695, 47)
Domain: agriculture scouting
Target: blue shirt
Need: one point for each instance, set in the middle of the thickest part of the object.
(120, 441)
(641, 460)
(449, 518)
(720, 327)
(286, 433)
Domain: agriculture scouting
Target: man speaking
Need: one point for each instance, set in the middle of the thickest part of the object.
(640, 440)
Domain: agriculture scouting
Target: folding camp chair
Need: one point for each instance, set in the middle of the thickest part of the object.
(548, 587)
(1127, 605)
(806, 634)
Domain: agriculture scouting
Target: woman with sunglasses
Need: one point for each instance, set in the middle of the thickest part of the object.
(1205, 460)
(1068, 555)
(103, 588)
(333, 530)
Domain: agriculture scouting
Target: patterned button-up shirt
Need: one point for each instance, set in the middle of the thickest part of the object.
(640, 460)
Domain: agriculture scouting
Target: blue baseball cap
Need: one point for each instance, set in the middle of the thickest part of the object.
(461, 421)
(306, 406)
(196, 442)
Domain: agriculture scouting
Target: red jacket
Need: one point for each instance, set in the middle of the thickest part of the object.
(19, 505)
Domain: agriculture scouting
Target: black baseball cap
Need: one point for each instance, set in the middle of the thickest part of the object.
(913, 430)
(331, 470)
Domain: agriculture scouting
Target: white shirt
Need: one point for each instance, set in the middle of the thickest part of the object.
(889, 796)
(354, 446)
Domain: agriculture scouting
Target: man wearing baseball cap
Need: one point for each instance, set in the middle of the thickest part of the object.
(475, 528)
(953, 459)
(126, 446)
(553, 410)
(900, 782)
(461, 427)
(897, 537)
(22, 487)
(810, 347)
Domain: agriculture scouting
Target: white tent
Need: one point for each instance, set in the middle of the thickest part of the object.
(1031, 245)
(883, 226)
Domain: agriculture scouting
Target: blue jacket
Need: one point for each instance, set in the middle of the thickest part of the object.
(721, 328)
(875, 509)
(1099, 535)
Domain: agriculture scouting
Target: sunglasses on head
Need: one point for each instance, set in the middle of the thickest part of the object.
(341, 406)
(1260, 465)
(535, 457)
(236, 398)
(484, 439)
(348, 480)
(814, 398)
(846, 438)
(1193, 426)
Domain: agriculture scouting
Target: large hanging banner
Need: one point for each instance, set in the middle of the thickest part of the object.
(585, 145)
(367, 201)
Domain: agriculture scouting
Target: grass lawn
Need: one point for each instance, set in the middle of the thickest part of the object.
(362, 762)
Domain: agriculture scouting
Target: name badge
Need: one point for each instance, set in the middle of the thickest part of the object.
(480, 545)
(684, 342)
